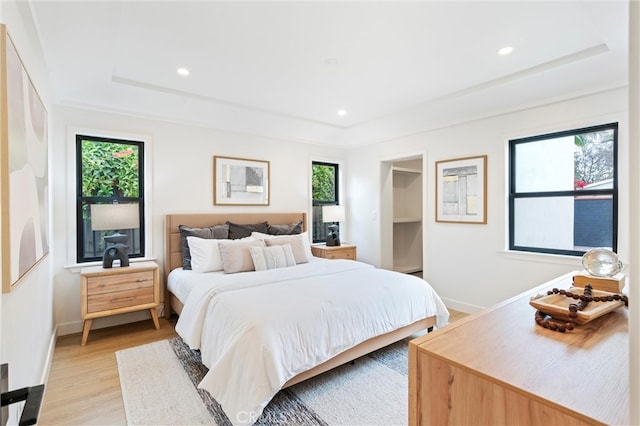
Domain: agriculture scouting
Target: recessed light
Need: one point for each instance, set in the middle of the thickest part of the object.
(331, 61)
(183, 71)
(505, 51)
(342, 112)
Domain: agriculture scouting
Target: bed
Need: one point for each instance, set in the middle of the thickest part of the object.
(216, 315)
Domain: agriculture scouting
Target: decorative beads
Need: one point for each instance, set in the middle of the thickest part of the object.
(588, 297)
(548, 321)
(583, 300)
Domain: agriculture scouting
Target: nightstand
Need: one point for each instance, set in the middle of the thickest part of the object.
(112, 291)
(344, 251)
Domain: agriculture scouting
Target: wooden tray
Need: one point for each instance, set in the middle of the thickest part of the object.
(557, 305)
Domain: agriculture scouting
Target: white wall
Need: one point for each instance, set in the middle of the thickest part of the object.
(467, 263)
(634, 233)
(182, 160)
(27, 312)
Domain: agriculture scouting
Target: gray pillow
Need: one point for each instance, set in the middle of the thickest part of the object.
(237, 231)
(219, 232)
(290, 229)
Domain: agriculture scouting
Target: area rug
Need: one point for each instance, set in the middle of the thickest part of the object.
(159, 387)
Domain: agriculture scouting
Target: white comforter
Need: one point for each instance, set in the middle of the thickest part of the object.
(257, 330)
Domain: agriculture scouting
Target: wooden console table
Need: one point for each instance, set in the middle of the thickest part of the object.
(499, 367)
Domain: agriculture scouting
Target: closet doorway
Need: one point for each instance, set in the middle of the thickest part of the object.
(401, 214)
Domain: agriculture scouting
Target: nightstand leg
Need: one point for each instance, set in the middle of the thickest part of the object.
(154, 315)
(85, 331)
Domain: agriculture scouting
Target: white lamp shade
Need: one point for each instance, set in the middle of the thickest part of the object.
(333, 213)
(113, 217)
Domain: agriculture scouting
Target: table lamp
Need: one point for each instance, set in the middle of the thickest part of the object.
(115, 217)
(333, 214)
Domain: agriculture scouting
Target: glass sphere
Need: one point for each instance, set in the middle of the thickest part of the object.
(601, 262)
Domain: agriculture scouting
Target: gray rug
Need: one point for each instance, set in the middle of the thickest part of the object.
(159, 386)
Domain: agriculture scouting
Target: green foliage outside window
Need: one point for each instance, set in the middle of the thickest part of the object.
(323, 183)
(324, 190)
(109, 170)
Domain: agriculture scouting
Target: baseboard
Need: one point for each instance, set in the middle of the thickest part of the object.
(456, 305)
(49, 360)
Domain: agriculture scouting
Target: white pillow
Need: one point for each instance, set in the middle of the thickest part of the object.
(272, 257)
(205, 254)
(236, 256)
(299, 245)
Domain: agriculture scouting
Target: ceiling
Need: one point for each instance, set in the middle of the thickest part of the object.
(284, 69)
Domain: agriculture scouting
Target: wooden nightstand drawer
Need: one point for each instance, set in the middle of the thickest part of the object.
(119, 299)
(341, 254)
(345, 251)
(122, 282)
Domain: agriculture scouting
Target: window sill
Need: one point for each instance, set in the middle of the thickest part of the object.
(557, 259)
(77, 267)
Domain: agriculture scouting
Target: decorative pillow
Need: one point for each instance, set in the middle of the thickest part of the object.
(272, 257)
(299, 245)
(237, 231)
(261, 236)
(236, 256)
(290, 229)
(210, 232)
(205, 254)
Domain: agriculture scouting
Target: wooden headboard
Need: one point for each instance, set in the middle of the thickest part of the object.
(172, 243)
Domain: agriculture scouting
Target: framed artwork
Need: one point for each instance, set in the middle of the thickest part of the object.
(24, 182)
(461, 190)
(240, 182)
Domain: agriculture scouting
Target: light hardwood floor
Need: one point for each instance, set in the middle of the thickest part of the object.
(84, 387)
(456, 315)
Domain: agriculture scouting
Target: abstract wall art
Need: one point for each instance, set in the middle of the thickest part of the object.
(461, 190)
(240, 182)
(24, 182)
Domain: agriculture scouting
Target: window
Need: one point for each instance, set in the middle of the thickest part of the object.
(324, 183)
(109, 172)
(563, 191)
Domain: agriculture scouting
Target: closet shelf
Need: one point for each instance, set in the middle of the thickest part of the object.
(408, 269)
(407, 219)
(406, 170)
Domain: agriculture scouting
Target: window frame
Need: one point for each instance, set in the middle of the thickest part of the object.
(80, 199)
(514, 195)
(316, 203)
